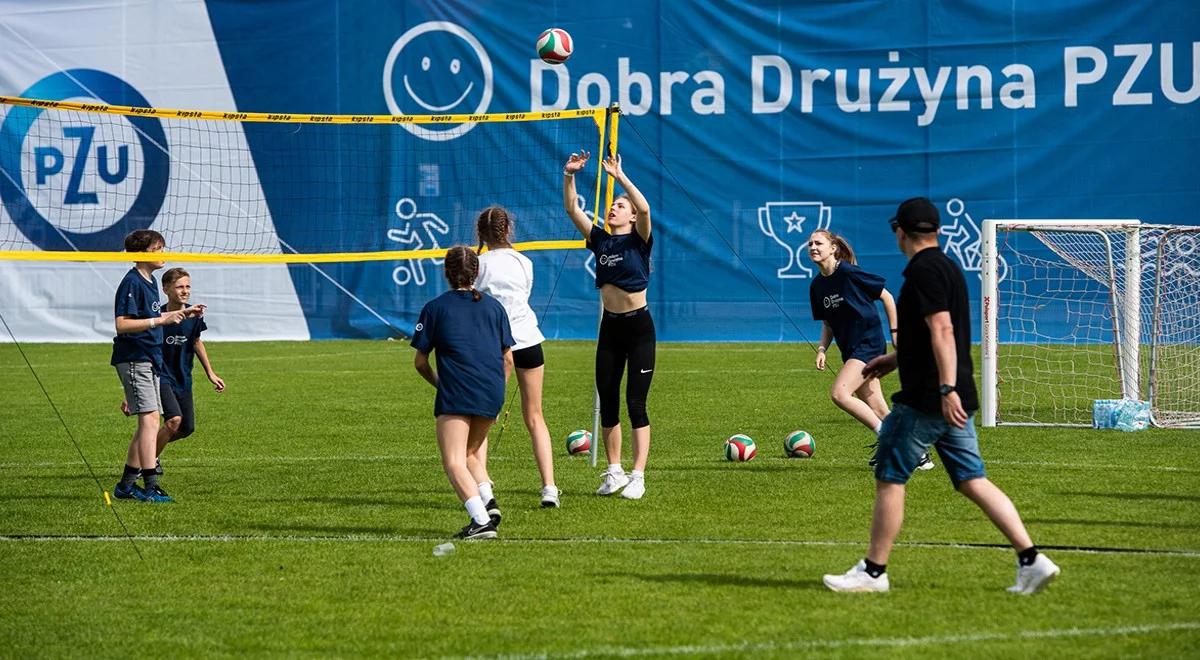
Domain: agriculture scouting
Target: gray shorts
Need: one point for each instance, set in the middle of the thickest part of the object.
(141, 387)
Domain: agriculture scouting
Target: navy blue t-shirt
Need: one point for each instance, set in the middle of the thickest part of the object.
(179, 347)
(137, 298)
(469, 338)
(846, 300)
(623, 261)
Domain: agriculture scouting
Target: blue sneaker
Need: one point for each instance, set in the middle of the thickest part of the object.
(130, 492)
(157, 495)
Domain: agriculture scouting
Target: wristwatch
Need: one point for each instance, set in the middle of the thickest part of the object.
(947, 389)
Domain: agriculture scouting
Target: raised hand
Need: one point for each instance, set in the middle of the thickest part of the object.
(612, 165)
(576, 162)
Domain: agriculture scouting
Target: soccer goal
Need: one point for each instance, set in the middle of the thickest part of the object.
(1076, 311)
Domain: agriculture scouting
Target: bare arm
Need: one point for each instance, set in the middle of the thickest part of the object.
(826, 340)
(508, 363)
(127, 325)
(889, 308)
(941, 332)
(573, 166)
(641, 207)
(421, 363)
(202, 355)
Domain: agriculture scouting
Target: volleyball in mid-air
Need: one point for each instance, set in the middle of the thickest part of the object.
(740, 448)
(554, 46)
(799, 444)
(579, 442)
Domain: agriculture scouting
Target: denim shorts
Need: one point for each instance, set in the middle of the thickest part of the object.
(907, 433)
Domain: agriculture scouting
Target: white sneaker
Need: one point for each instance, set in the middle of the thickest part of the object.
(635, 489)
(857, 579)
(613, 481)
(550, 496)
(1034, 577)
(926, 463)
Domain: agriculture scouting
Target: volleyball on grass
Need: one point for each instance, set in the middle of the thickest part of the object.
(554, 46)
(579, 442)
(740, 448)
(799, 444)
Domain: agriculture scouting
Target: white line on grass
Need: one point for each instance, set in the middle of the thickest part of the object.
(391, 538)
(873, 642)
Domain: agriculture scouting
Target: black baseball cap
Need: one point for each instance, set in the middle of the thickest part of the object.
(916, 215)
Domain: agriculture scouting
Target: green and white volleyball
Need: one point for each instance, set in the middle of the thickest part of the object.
(799, 444)
(579, 442)
(554, 46)
(740, 448)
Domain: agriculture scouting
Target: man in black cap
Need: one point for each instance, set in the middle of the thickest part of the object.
(935, 407)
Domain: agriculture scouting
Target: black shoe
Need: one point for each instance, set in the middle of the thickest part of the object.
(493, 511)
(474, 531)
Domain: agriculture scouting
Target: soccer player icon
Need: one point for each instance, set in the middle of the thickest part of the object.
(419, 231)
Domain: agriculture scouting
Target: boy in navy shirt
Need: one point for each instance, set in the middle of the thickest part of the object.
(138, 359)
(473, 340)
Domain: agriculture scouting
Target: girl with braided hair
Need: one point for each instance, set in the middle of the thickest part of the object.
(507, 276)
(472, 338)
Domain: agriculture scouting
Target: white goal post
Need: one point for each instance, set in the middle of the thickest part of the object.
(1080, 310)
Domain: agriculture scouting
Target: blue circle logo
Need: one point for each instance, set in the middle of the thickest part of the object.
(65, 180)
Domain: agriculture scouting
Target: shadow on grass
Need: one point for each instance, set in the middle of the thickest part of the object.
(1164, 497)
(1111, 523)
(361, 500)
(327, 530)
(729, 580)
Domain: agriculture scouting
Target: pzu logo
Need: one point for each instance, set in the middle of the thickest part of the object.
(70, 165)
(48, 161)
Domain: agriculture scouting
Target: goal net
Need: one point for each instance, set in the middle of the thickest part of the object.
(1081, 310)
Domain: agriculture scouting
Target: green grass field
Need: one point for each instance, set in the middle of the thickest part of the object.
(311, 497)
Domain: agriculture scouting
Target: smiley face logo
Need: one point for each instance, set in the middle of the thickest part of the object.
(437, 67)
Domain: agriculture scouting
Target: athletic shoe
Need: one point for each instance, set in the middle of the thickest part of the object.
(874, 447)
(613, 481)
(858, 580)
(474, 531)
(635, 489)
(493, 511)
(130, 492)
(158, 467)
(1034, 577)
(550, 496)
(925, 463)
(157, 495)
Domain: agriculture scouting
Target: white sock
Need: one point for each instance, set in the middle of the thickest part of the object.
(548, 490)
(476, 510)
(485, 491)
(615, 468)
(877, 427)
(636, 474)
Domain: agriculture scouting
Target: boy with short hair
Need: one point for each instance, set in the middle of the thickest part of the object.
(138, 359)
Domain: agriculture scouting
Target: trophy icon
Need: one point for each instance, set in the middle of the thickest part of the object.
(791, 216)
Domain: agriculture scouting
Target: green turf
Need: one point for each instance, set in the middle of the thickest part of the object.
(311, 496)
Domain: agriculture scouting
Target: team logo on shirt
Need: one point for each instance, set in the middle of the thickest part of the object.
(785, 223)
(175, 340)
(611, 259)
(88, 179)
(156, 306)
(833, 301)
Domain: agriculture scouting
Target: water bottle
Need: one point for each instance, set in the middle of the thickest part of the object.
(443, 550)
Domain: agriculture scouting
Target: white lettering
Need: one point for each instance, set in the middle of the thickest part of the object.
(863, 102)
(709, 100)
(964, 74)
(1074, 77)
(1167, 68)
(1025, 86)
(666, 80)
(536, 69)
(931, 94)
(625, 83)
(898, 76)
(758, 102)
(807, 78)
(582, 93)
(1141, 55)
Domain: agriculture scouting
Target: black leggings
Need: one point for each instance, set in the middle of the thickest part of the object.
(627, 337)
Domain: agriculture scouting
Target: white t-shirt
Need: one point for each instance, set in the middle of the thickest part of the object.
(507, 276)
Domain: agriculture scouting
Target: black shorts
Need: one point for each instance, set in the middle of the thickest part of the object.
(529, 358)
(178, 404)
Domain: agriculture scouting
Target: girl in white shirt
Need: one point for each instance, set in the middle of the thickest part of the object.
(507, 276)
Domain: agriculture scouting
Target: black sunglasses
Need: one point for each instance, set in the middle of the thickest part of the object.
(894, 224)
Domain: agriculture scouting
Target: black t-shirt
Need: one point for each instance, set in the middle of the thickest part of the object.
(137, 298)
(622, 260)
(845, 299)
(932, 284)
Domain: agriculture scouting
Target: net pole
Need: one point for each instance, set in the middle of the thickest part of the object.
(990, 331)
(1132, 306)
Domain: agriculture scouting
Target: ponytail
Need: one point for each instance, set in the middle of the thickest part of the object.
(841, 247)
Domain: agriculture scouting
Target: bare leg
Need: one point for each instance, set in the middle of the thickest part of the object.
(530, 383)
(872, 393)
(849, 380)
(477, 449)
(612, 443)
(452, 432)
(999, 509)
(886, 521)
(144, 444)
(641, 447)
(168, 430)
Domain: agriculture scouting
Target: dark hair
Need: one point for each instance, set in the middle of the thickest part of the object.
(493, 227)
(172, 274)
(841, 247)
(462, 266)
(142, 240)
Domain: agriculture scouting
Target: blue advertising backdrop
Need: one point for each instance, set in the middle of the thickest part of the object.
(746, 124)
